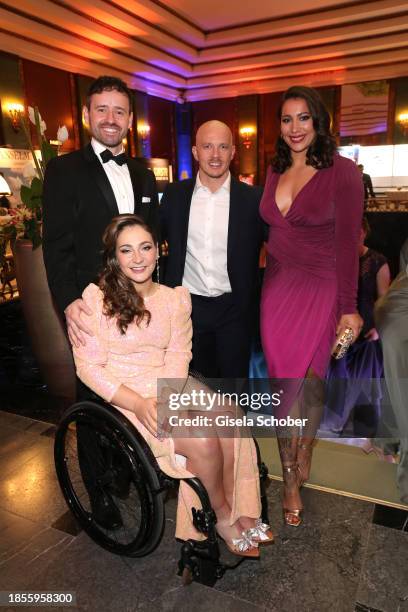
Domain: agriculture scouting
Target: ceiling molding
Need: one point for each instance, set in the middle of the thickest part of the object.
(321, 79)
(160, 49)
(28, 49)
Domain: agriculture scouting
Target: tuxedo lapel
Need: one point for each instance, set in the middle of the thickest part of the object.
(98, 175)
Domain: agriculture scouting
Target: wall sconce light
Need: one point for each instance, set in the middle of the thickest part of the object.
(15, 111)
(247, 132)
(403, 121)
(143, 129)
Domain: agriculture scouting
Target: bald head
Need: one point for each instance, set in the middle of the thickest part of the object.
(213, 150)
(213, 128)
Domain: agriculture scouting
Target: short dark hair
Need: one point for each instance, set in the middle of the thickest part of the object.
(321, 151)
(108, 83)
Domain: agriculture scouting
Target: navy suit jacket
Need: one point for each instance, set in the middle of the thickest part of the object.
(245, 236)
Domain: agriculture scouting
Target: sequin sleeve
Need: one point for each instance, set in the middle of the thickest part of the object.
(178, 352)
(91, 360)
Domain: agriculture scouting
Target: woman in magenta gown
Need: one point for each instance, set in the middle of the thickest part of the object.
(313, 202)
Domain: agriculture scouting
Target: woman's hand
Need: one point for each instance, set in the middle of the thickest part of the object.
(146, 411)
(354, 321)
(372, 334)
(76, 324)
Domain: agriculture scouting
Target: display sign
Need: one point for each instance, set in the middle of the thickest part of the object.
(400, 162)
(161, 168)
(17, 167)
(377, 161)
(380, 161)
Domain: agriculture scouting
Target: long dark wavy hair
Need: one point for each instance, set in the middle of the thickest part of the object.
(321, 151)
(120, 298)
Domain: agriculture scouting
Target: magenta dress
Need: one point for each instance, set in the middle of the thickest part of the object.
(312, 268)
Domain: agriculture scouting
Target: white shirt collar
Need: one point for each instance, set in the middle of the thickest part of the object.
(99, 147)
(226, 184)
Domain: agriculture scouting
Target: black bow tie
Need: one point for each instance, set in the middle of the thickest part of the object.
(107, 155)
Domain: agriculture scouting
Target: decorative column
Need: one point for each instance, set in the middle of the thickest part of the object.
(142, 124)
(401, 111)
(183, 136)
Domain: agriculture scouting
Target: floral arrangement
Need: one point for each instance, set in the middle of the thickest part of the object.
(25, 220)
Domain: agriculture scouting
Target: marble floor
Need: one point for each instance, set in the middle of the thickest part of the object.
(347, 555)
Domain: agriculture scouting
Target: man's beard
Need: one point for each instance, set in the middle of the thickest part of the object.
(109, 143)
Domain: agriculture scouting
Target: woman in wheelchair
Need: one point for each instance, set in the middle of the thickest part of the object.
(141, 335)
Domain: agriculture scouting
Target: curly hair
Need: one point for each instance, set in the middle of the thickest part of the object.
(120, 298)
(321, 151)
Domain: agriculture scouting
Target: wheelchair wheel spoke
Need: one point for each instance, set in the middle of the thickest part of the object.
(118, 471)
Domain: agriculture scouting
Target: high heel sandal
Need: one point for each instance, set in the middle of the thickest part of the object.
(305, 466)
(260, 533)
(291, 516)
(243, 547)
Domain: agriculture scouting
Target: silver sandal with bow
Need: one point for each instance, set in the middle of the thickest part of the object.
(261, 533)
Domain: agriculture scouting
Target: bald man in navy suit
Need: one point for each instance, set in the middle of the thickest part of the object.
(214, 233)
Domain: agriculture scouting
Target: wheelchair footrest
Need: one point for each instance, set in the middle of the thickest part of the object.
(200, 562)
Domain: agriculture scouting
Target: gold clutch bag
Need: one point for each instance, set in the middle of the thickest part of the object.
(342, 343)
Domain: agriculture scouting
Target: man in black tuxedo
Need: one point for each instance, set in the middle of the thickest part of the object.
(83, 191)
(214, 234)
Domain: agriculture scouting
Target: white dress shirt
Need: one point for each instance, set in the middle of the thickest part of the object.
(119, 179)
(205, 271)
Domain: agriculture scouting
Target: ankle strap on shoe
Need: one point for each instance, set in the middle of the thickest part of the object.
(293, 467)
(305, 446)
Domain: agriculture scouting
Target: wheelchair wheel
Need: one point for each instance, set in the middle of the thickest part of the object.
(141, 507)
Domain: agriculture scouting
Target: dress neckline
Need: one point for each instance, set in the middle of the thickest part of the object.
(149, 297)
(296, 196)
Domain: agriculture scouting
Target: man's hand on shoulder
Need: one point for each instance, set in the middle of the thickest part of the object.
(77, 328)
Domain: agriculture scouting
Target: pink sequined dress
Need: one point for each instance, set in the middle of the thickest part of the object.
(138, 359)
(312, 268)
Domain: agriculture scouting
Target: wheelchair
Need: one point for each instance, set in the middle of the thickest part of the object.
(142, 502)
